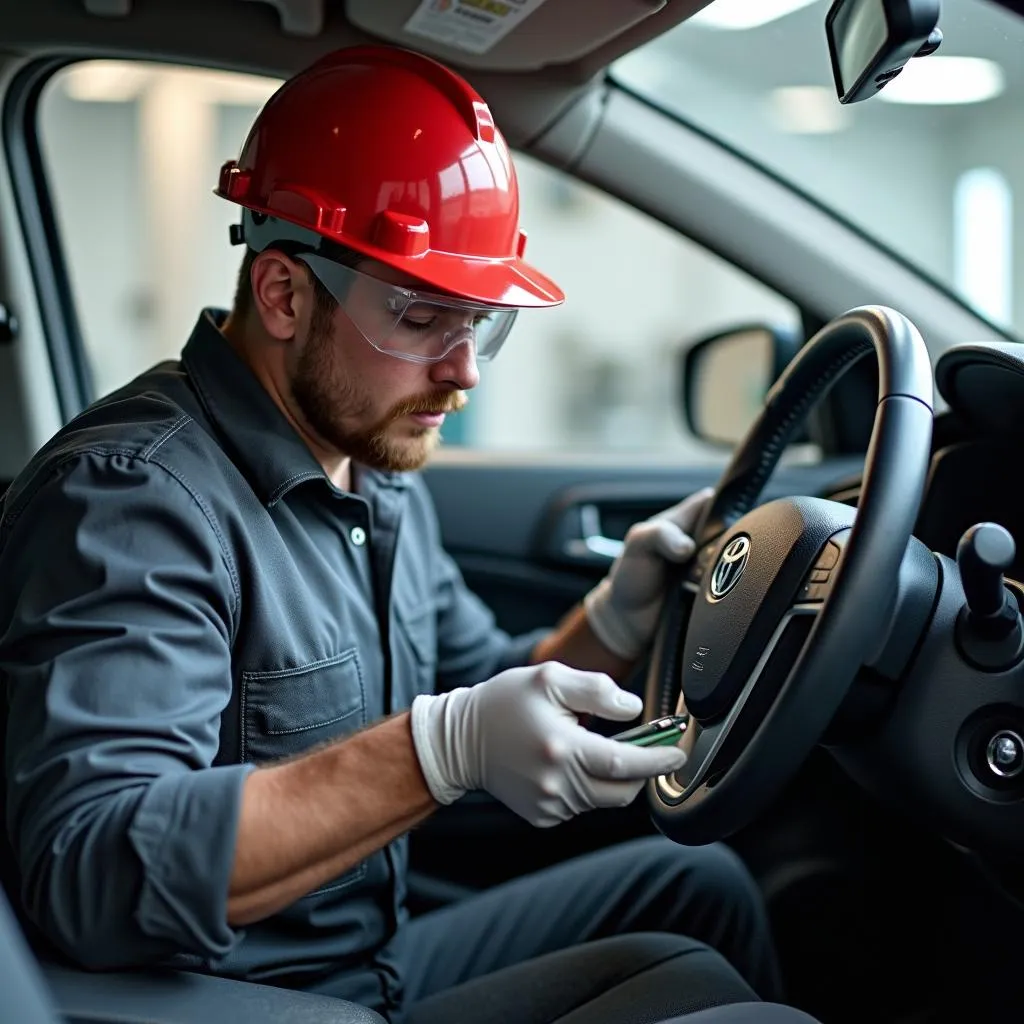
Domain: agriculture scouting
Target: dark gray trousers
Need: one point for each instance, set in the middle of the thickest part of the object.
(635, 934)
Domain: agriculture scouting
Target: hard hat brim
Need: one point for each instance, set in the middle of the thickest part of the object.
(514, 283)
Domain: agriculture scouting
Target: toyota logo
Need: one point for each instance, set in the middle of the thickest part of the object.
(730, 566)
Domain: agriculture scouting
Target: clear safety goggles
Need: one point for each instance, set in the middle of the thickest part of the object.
(418, 326)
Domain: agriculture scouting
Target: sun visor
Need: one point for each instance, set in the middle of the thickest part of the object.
(501, 35)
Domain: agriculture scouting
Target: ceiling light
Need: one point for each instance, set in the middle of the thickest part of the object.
(807, 110)
(117, 81)
(938, 80)
(233, 87)
(105, 81)
(742, 14)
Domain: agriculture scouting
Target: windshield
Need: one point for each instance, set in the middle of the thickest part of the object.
(939, 183)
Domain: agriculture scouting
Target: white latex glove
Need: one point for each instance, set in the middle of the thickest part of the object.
(623, 608)
(517, 736)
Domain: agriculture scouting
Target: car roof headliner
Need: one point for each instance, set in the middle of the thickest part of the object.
(529, 78)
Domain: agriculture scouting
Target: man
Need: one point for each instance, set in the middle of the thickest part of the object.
(240, 667)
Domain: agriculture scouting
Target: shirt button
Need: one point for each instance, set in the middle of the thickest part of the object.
(357, 536)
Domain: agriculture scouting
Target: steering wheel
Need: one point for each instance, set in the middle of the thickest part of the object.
(783, 603)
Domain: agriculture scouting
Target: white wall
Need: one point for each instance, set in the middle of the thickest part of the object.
(98, 203)
(891, 169)
(999, 143)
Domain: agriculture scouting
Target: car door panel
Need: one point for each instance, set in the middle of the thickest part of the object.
(516, 532)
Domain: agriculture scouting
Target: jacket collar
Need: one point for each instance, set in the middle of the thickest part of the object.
(260, 440)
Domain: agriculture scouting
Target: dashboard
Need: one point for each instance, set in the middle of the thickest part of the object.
(977, 469)
(971, 482)
(977, 478)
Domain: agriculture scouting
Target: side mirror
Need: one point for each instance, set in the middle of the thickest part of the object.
(725, 378)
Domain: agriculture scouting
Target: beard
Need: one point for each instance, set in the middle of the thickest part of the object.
(330, 402)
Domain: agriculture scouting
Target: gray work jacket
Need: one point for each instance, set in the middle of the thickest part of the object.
(186, 595)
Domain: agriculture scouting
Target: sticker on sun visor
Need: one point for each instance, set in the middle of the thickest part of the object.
(470, 25)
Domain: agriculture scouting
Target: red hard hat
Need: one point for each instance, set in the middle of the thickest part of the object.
(392, 154)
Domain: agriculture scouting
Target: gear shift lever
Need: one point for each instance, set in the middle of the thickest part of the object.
(988, 629)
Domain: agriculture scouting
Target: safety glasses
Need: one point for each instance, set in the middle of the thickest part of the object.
(420, 327)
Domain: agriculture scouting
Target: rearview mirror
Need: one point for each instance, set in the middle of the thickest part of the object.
(726, 377)
(870, 41)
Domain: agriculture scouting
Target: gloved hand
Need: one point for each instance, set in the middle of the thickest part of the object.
(517, 737)
(623, 608)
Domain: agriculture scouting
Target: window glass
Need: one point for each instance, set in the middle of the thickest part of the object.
(757, 75)
(132, 153)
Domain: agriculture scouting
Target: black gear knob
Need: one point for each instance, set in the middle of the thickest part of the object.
(984, 553)
(989, 628)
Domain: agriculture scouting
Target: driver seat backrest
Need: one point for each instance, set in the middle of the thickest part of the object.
(25, 997)
(9, 874)
(24, 988)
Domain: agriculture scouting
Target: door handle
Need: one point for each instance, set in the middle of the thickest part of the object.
(592, 543)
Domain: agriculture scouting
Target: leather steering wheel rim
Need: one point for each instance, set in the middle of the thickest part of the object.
(711, 659)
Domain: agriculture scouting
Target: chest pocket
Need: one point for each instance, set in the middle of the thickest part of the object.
(288, 710)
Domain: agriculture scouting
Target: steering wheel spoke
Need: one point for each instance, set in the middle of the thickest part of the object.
(713, 746)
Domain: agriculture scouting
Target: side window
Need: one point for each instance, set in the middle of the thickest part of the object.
(132, 152)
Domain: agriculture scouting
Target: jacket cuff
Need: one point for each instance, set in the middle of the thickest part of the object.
(184, 833)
